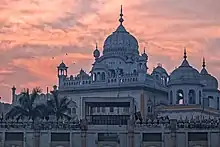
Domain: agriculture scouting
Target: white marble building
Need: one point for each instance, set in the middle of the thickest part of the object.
(121, 71)
(180, 109)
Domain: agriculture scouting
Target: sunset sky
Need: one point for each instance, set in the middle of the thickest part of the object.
(34, 31)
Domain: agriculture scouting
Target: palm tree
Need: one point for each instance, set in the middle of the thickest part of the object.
(58, 106)
(26, 107)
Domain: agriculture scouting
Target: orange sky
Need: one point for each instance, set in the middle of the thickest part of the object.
(34, 31)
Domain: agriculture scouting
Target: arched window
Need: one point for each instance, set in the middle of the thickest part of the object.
(103, 76)
(200, 97)
(140, 65)
(94, 77)
(192, 97)
(113, 73)
(98, 76)
(157, 77)
(149, 109)
(180, 97)
(171, 97)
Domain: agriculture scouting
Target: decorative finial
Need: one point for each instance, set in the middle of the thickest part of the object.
(121, 16)
(185, 54)
(13, 88)
(96, 45)
(144, 50)
(62, 61)
(203, 64)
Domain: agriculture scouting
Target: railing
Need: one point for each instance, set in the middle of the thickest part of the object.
(40, 124)
(181, 124)
(108, 119)
(111, 80)
(43, 124)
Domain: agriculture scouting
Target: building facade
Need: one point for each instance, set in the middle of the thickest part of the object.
(122, 104)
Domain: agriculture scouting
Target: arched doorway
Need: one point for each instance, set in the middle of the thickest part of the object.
(192, 97)
(180, 97)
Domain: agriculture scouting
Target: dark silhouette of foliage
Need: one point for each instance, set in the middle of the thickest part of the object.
(26, 106)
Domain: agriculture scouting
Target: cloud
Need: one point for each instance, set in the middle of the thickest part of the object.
(35, 35)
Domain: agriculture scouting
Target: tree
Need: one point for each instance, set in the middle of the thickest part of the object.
(58, 106)
(26, 106)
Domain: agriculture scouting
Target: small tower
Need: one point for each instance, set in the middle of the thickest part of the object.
(145, 56)
(142, 66)
(13, 94)
(62, 69)
(96, 52)
(62, 72)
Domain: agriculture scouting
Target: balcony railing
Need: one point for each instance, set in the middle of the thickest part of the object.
(108, 119)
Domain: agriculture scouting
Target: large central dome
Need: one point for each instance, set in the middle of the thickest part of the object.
(120, 41)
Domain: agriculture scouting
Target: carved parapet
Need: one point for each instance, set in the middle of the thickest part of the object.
(39, 125)
(173, 124)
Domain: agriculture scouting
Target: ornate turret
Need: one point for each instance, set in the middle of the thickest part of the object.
(62, 73)
(185, 74)
(145, 55)
(209, 81)
(13, 94)
(62, 69)
(96, 52)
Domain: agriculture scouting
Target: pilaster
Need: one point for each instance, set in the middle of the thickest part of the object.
(83, 138)
(3, 139)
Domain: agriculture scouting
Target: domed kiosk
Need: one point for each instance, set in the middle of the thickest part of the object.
(209, 82)
(184, 84)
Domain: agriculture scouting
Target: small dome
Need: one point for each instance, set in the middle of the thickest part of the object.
(62, 65)
(121, 41)
(100, 66)
(209, 81)
(142, 58)
(82, 75)
(145, 56)
(96, 52)
(159, 69)
(185, 74)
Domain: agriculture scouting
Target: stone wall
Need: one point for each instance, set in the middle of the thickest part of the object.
(169, 133)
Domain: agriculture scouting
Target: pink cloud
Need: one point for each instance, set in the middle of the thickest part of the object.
(34, 31)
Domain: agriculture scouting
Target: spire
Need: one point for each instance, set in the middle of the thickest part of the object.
(185, 62)
(204, 71)
(185, 56)
(121, 16)
(203, 63)
(144, 50)
(96, 45)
